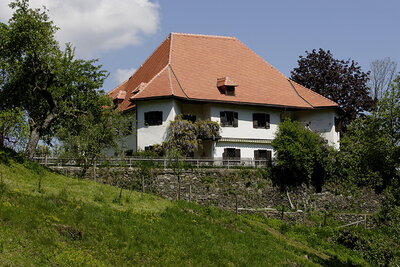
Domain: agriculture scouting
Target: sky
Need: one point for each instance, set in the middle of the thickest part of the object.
(121, 34)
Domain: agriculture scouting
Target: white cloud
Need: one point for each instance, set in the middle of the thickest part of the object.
(98, 25)
(122, 75)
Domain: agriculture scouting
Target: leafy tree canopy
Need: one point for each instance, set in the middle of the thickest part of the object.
(14, 129)
(339, 80)
(370, 150)
(301, 155)
(47, 83)
(95, 135)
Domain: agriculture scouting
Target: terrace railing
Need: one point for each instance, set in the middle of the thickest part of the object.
(158, 162)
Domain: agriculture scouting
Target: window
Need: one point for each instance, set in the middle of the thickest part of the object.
(230, 91)
(338, 125)
(231, 153)
(261, 120)
(229, 119)
(263, 154)
(153, 118)
(187, 117)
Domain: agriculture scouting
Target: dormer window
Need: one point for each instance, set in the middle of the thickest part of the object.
(226, 86)
(119, 97)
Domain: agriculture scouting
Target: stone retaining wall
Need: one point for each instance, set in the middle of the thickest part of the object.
(226, 187)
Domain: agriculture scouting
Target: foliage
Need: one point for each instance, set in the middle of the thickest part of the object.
(367, 156)
(13, 129)
(339, 80)
(49, 84)
(300, 155)
(94, 135)
(374, 246)
(370, 149)
(186, 136)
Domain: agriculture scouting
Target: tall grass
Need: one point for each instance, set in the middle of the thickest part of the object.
(73, 222)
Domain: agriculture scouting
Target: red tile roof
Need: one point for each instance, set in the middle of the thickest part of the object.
(188, 66)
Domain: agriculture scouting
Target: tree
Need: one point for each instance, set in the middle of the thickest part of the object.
(370, 150)
(49, 84)
(339, 80)
(95, 134)
(300, 155)
(382, 74)
(13, 129)
(187, 136)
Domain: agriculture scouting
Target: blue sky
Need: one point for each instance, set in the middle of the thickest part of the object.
(124, 34)
(279, 31)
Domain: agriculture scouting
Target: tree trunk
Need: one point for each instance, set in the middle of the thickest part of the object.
(35, 133)
(33, 141)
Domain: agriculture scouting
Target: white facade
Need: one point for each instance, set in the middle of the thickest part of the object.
(244, 137)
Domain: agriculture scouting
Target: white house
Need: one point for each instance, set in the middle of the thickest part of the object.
(219, 78)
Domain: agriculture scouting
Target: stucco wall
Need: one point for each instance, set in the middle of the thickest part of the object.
(245, 126)
(150, 135)
(246, 149)
(321, 121)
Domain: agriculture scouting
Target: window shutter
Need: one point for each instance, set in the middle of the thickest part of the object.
(267, 121)
(237, 153)
(222, 118)
(269, 155)
(224, 155)
(255, 121)
(256, 154)
(159, 118)
(235, 119)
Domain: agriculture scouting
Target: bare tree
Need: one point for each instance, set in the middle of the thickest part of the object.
(381, 76)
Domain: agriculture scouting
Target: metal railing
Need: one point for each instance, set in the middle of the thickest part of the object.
(158, 162)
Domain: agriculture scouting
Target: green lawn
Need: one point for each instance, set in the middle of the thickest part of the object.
(74, 222)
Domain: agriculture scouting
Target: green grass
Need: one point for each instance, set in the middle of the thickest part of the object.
(74, 222)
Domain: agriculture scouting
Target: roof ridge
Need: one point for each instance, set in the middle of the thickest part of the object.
(315, 93)
(203, 35)
(155, 76)
(170, 82)
(118, 86)
(294, 88)
(176, 79)
(147, 59)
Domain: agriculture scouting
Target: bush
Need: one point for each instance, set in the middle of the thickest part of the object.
(301, 156)
(375, 247)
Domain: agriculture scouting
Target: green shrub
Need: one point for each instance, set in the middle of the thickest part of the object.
(373, 246)
(301, 155)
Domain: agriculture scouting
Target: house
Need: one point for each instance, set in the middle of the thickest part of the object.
(219, 78)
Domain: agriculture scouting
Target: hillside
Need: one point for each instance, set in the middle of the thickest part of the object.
(73, 222)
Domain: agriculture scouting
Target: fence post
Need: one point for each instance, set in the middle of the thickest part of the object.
(1, 173)
(365, 221)
(236, 203)
(190, 192)
(142, 183)
(94, 171)
(40, 178)
(283, 211)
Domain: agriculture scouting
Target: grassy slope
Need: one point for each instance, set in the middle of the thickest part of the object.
(86, 224)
